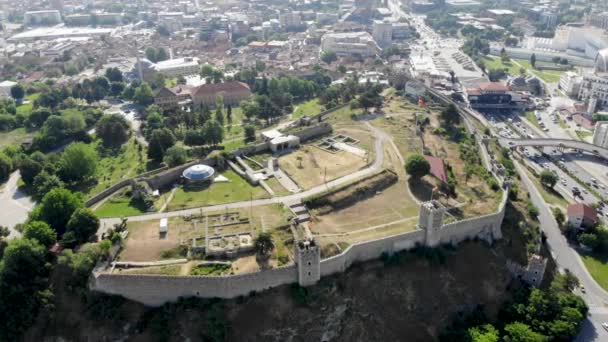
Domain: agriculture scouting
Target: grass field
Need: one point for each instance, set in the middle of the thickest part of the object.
(16, 136)
(111, 169)
(512, 67)
(310, 107)
(497, 63)
(217, 193)
(550, 196)
(549, 76)
(598, 267)
(583, 135)
(119, 206)
(26, 108)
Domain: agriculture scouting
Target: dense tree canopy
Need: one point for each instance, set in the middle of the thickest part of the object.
(41, 232)
(113, 129)
(83, 224)
(56, 209)
(417, 166)
(78, 162)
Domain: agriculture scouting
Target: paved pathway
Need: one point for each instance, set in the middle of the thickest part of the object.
(15, 204)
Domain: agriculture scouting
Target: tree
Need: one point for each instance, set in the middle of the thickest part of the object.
(114, 75)
(450, 116)
(41, 232)
(548, 178)
(113, 129)
(533, 60)
(249, 133)
(452, 76)
(219, 115)
(83, 224)
(589, 239)
(175, 156)
(29, 169)
(23, 284)
(45, 182)
(329, 57)
(417, 166)
(520, 332)
(213, 132)
(160, 141)
(143, 95)
(263, 244)
(559, 215)
(229, 114)
(18, 93)
(151, 54)
(161, 55)
(78, 162)
(485, 333)
(6, 167)
(56, 209)
(251, 109)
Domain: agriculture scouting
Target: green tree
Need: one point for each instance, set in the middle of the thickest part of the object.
(143, 95)
(533, 60)
(160, 141)
(83, 224)
(450, 116)
(45, 182)
(6, 167)
(485, 333)
(78, 162)
(219, 115)
(161, 55)
(175, 156)
(56, 209)
(113, 129)
(151, 54)
(559, 216)
(249, 133)
(520, 332)
(213, 132)
(548, 178)
(417, 166)
(23, 286)
(589, 239)
(41, 232)
(263, 244)
(114, 75)
(18, 93)
(329, 57)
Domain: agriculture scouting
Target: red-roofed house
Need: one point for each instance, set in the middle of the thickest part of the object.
(437, 168)
(581, 215)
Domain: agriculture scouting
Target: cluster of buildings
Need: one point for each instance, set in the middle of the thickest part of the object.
(591, 87)
(170, 68)
(495, 96)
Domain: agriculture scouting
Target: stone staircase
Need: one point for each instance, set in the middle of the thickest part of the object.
(300, 211)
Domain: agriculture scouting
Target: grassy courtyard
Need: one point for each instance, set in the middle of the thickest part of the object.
(237, 189)
(120, 206)
(310, 107)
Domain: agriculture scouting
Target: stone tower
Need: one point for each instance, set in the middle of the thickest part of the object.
(431, 220)
(308, 258)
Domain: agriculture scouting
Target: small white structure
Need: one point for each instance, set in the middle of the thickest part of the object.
(5, 88)
(270, 134)
(163, 226)
(284, 142)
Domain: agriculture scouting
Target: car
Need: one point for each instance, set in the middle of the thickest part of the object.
(605, 326)
(583, 289)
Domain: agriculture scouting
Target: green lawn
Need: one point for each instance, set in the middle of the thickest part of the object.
(549, 76)
(236, 190)
(597, 266)
(582, 135)
(310, 107)
(532, 118)
(204, 270)
(119, 206)
(15, 136)
(111, 169)
(26, 108)
(497, 63)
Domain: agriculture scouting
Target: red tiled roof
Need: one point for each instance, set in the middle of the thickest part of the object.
(220, 87)
(437, 168)
(493, 87)
(585, 211)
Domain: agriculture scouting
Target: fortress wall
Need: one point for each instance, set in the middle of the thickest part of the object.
(153, 290)
(312, 132)
(107, 192)
(487, 226)
(369, 250)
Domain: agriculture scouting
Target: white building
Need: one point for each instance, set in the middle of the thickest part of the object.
(594, 86)
(5, 88)
(600, 134)
(47, 17)
(350, 44)
(290, 19)
(178, 66)
(382, 31)
(570, 83)
(51, 33)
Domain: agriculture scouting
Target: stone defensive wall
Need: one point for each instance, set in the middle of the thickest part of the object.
(370, 250)
(155, 290)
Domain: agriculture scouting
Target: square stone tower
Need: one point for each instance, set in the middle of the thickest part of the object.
(308, 258)
(431, 220)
